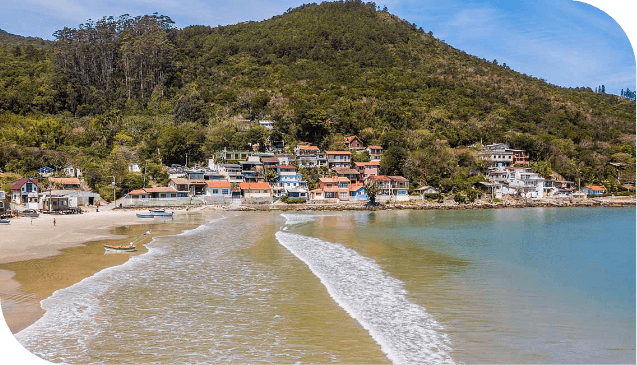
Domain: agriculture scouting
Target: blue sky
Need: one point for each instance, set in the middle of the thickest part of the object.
(565, 42)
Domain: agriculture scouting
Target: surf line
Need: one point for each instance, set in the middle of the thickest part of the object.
(405, 332)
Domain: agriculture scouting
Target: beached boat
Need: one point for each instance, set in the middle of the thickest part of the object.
(115, 248)
(121, 248)
(161, 213)
(140, 215)
(5, 221)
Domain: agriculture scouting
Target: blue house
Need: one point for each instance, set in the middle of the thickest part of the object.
(357, 192)
(45, 171)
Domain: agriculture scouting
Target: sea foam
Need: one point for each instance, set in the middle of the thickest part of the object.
(405, 332)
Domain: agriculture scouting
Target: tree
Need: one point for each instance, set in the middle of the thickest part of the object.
(371, 189)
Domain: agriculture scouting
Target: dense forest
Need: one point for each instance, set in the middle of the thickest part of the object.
(125, 89)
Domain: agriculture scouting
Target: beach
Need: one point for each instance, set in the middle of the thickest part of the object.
(38, 257)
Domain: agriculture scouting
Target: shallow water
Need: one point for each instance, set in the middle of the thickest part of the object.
(508, 286)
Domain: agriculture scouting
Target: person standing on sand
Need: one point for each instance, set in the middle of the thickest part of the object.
(54, 222)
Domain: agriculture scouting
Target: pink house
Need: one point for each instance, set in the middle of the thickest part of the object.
(367, 169)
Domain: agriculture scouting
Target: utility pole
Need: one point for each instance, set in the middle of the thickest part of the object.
(145, 168)
(113, 183)
(186, 160)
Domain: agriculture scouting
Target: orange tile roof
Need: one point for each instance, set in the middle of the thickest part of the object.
(375, 147)
(259, 185)
(138, 192)
(350, 138)
(397, 178)
(286, 167)
(308, 148)
(65, 180)
(161, 189)
(596, 188)
(218, 184)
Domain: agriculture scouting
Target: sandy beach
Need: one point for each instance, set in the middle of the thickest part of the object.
(38, 257)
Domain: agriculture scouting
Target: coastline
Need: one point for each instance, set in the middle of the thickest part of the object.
(35, 256)
(38, 258)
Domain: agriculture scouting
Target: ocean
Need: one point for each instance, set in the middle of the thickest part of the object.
(535, 285)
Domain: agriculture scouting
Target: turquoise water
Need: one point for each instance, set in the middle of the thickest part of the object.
(538, 285)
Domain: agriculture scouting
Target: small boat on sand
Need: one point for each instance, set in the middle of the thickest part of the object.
(141, 215)
(161, 213)
(123, 248)
(5, 221)
(115, 248)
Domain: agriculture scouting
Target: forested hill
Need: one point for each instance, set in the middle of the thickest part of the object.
(135, 88)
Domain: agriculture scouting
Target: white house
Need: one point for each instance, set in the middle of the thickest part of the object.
(134, 167)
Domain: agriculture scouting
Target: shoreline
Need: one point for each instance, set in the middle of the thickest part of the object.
(21, 272)
(33, 264)
(446, 205)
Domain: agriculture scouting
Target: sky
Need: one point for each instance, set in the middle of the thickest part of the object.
(567, 43)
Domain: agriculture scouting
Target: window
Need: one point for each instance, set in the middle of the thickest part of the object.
(215, 191)
(343, 195)
(257, 191)
(225, 191)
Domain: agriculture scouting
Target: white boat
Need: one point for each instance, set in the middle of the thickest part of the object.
(161, 213)
(123, 248)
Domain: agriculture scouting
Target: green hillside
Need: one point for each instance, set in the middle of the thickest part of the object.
(124, 89)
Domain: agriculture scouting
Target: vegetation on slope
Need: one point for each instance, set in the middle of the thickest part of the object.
(135, 88)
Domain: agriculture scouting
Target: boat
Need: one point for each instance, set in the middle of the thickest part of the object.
(5, 221)
(141, 215)
(161, 213)
(116, 248)
(122, 248)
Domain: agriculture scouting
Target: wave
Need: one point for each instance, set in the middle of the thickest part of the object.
(73, 314)
(405, 332)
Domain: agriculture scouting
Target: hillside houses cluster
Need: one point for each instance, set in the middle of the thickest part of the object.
(261, 177)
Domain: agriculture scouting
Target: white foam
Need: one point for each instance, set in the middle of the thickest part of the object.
(405, 332)
(298, 218)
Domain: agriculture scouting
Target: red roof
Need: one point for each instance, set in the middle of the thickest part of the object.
(380, 178)
(308, 148)
(596, 188)
(375, 147)
(161, 189)
(138, 192)
(65, 180)
(350, 138)
(286, 167)
(258, 185)
(398, 178)
(18, 184)
(218, 184)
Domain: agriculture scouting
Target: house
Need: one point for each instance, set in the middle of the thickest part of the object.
(367, 169)
(134, 167)
(232, 172)
(153, 193)
(52, 200)
(375, 152)
(256, 192)
(45, 171)
(233, 155)
(335, 188)
(353, 143)
(351, 174)
(593, 190)
(399, 188)
(25, 192)
(218, 190)
(72, 171)
(338, 159)
(357, 192)
(516, 180)
(4, 202)
(309, 156)
(269, 124)
(289, 180)
(500, 155)
(383, 183)
(252, 169)
(66, 183)
(391, 187)
(269, 162)
(427, 190)
(180, 184)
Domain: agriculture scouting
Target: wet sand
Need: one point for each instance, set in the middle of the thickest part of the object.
(38, 258)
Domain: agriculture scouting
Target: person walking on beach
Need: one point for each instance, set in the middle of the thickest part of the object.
(54, 222)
